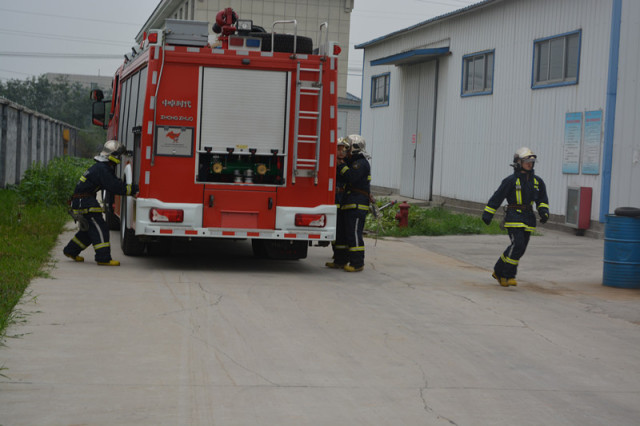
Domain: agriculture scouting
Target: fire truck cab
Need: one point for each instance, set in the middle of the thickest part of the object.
(231, 140)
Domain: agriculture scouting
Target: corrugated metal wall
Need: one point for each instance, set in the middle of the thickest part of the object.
(477, 136)
(625, 176)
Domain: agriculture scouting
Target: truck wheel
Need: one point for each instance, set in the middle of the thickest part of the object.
(284, 43)
(130, 244)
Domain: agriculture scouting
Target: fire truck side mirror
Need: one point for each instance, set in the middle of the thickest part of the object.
(98, 114)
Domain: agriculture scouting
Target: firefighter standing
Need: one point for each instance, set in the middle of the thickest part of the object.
(522, 190)
(87, 210)
(355, 201)
(340, 246)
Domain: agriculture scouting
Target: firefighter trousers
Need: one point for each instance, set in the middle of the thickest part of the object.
(97, 234)
(354, 226)
(507, 264)
(340, 245)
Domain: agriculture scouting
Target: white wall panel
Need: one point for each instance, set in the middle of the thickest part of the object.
(625, 176)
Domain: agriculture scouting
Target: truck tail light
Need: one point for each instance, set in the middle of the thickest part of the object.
(312, 220)
(153, 38)
(166, 215)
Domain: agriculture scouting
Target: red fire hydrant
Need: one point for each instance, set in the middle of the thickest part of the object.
(403, 215)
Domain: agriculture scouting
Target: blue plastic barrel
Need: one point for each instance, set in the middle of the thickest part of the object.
(622, 252)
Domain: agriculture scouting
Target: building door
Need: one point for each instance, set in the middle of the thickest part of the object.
(418, 130)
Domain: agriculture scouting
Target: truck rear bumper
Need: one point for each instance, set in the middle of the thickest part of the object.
(191, 226)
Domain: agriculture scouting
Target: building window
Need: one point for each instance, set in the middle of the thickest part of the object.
(380, 90)
(477, 74)
(556, 60)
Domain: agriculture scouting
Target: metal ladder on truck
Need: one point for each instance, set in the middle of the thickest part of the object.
(307, 166)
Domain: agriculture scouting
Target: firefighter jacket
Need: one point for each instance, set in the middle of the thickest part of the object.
(521, 190)
(357, 176)
(97, 177)
(341, 183)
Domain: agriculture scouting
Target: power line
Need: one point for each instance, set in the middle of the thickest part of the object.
(15, 72)
(77, 18)
(66, 38)
(60, 55)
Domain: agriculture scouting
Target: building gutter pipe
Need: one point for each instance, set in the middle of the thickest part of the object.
(610, 114)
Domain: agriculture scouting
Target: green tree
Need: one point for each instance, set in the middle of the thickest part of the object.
(59, 99)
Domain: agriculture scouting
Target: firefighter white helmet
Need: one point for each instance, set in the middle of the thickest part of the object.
(344, 142)
(357, 143)
(111, 151)
(523, 154)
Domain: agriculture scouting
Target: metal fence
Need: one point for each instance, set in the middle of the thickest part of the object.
(26, 137)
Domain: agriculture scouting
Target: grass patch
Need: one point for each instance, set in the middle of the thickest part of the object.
(428, 221)
(32, 215)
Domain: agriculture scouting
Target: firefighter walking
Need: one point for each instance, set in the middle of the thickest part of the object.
(356, 173)
(86, 209)
(522, 190)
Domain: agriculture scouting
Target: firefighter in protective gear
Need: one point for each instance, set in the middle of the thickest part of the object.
(84, 205)
(355, 201)
(340, 247)
(522, 190)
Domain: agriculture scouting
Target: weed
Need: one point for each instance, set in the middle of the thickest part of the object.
(32, 215)
(428, 221)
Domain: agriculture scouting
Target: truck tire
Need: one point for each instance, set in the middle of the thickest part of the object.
(130, 244)
(284, 43)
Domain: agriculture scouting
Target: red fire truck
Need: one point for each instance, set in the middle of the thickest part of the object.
(233, 140)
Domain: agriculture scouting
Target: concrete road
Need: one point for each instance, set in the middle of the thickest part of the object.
(423, 336)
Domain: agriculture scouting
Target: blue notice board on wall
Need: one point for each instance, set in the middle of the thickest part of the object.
(592, 139)
(572, 140)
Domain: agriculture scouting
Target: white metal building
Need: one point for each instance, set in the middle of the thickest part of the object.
(447, 102)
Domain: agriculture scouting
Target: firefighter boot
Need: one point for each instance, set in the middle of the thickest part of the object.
(110, 263)
(76, 258)
(334, 265)
(350, 268)
(502, 281)
(512, 282)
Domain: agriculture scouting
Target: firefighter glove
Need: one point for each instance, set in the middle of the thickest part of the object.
(486, 217)
(544, 215)
(134, 189)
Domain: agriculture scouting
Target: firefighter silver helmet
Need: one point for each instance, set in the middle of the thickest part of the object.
(344, 142)
(111, 151)
(523, 154)
(357, 143)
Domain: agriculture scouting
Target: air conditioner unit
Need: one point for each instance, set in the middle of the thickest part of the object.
(578, 213)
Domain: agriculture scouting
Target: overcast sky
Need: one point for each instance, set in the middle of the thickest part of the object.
(59, 34)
